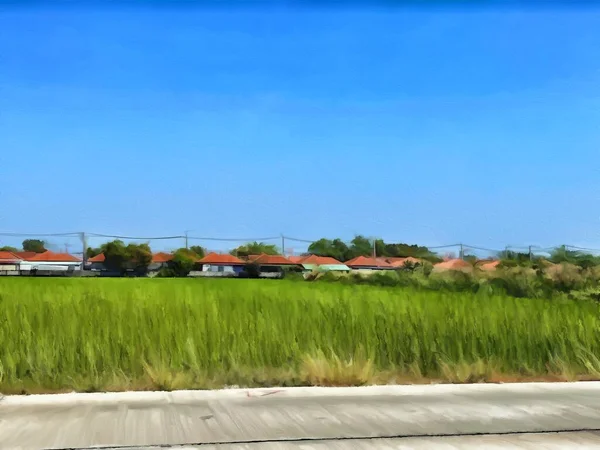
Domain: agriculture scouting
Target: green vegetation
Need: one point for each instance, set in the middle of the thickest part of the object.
(120, 257)
(182, 263)
(539, 279)
(362, 246)
(114, 334)
(254, 248)
(34, 245)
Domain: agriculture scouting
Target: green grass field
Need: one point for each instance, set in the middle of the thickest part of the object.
(115, 334)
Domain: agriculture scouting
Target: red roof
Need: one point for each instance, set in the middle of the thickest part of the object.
(399, 262)
(99, 258)
(161, 257)
(49, 256)
(318, 260)
(364, 261)
(297, 258)
(8, 257)
(275, 260)
(25, 255)
(215, 258)
(489, 265)
(453, 264)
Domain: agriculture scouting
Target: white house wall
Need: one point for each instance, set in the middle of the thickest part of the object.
(217, 268)
(49, 265)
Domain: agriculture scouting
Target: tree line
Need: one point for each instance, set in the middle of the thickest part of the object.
(136, 257)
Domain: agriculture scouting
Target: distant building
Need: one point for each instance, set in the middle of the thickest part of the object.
(369, 263)
(453, 264)
(49, 263)
(159, 261)
(9, 263)
(322, 264)
(214, 262)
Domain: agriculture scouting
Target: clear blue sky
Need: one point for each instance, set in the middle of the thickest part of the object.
(427, 127)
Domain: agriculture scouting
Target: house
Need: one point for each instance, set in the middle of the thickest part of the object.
(368, 263)
(297, 258)
(487, 265)
(95, 263)
(401, 262)
(159, 260)
(453, 264)
(273, 266)
(9, 263)
(25, 255)
(49, 262)
(321, 264)
(225, 264)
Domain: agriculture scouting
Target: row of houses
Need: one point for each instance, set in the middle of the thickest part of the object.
(23, 263)
(229, 264)
(215, 264)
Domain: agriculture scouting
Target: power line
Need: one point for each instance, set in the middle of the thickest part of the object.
(235, 239)
(471, 247)
(40, 234)
(582, 248)
(273, 238)
(135, 238)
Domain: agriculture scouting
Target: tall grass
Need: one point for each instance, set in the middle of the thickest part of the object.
(58, 334)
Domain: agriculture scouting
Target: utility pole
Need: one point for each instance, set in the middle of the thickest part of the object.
(186, 238)
(84, 244)
(461, 253)
(530, 254)
(375, 253)
(282, 245)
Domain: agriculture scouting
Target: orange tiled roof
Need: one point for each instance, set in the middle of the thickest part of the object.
(276, 260)
(317, 260)
(297, 258)
(9, 257)
(99, 258)
(49, 256)
(215, 258)
(25, 255)
(399, 262)
(161, 257)
(453, 264)
(489, 265)
(364, 261)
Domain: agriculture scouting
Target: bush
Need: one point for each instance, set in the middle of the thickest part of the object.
(250, 270)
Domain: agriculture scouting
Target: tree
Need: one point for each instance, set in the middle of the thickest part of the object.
(121, 257)
(579, 258)
(512, 258)
(91, 252)
(8, 248)
(200, 252)
(34, 245)
(360, 246)
(326, 247)
(363, 246)
(255, 248)
(401, 250)
(181, 265)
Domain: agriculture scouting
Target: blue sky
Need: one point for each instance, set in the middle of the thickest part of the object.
(427, 127)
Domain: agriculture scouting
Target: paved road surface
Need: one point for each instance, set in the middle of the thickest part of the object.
(419, 417)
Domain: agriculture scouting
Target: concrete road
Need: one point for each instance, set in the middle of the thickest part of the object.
(419, 417)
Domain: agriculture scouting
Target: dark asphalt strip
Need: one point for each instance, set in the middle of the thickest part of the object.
(324, 439)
